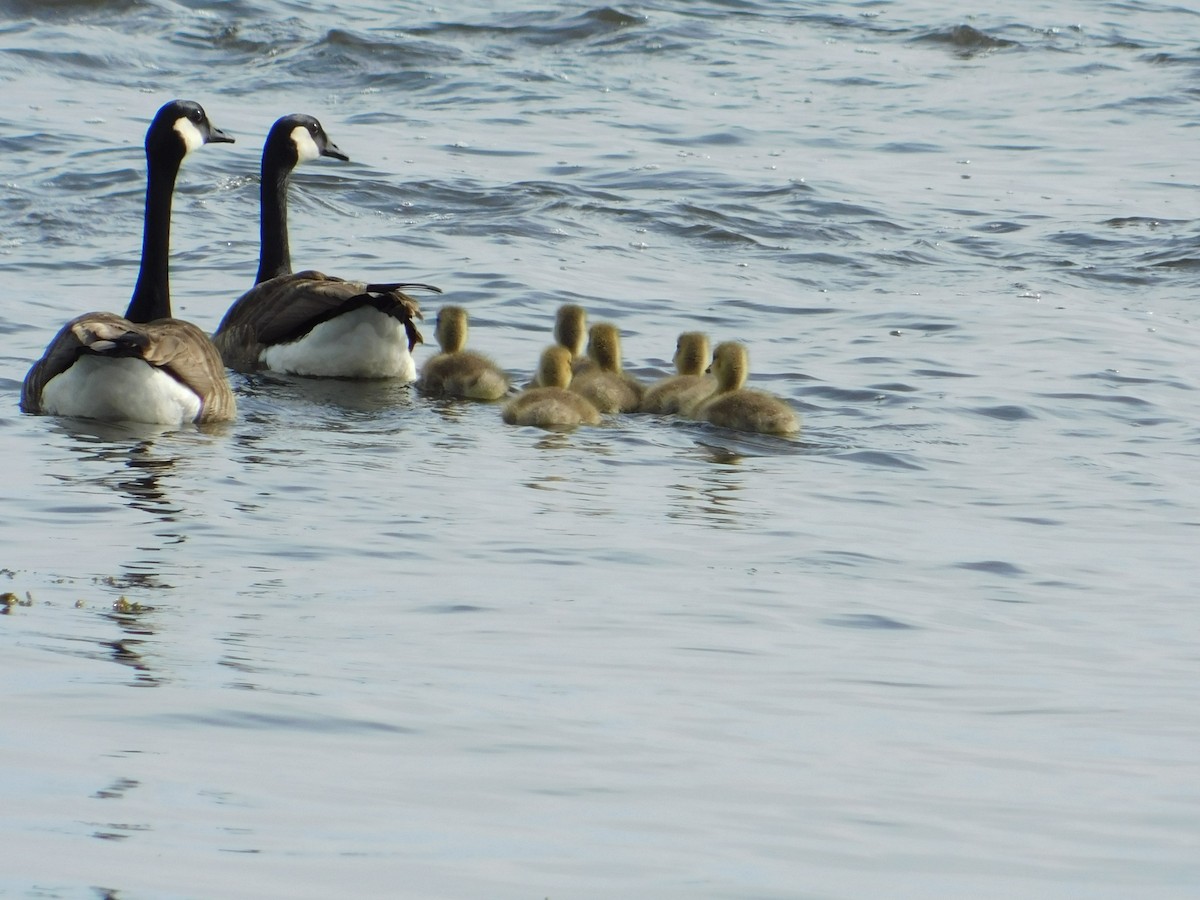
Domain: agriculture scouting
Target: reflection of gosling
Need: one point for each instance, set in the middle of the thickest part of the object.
(733, 406)
(551, 405)
(456, 372)
(691, 385)
(609, 389)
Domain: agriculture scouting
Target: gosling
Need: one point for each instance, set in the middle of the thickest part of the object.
(733, 406)
(551, 405)
(690, 385)
(608, 388)
(570, 331)
(455, 372)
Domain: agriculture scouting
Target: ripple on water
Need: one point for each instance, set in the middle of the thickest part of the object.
(965, 40)
(882, 459)
(993, 566)
(869, 621)
(1006, 413)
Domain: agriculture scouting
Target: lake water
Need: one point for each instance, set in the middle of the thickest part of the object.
(359, 643)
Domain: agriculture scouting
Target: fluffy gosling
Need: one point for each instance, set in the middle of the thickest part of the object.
(608, 388)
(733, 406)
(690, 385)
(455, 372)
(551, 405)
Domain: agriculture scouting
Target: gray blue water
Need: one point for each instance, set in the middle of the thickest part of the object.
(359, 643)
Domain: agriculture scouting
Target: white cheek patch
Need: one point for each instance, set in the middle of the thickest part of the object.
(306, 147)
(186, 129)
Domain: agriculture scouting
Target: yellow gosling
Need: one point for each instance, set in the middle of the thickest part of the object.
(570, 331)
(690, 385)
(608, 388)
(455, 372)
(551, 405)
(733, 406)
(570, 328)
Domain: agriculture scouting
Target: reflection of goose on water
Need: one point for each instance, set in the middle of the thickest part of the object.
(455, 371)
(145, 366)
(309, 323)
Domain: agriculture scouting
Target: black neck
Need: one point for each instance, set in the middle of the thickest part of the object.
(274, 255)
(152, 296)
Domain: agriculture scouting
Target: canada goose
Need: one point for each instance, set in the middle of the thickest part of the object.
(309, 323)
(146, 366)
(733, 406)
(456, 372)
(690, 384)
(551, 405)
(609, 388)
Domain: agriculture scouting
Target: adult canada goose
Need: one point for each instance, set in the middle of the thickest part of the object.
(690, 384)
(604, 383)
(456, 372)
(146, 366)
(551, 405)
(309, 323)
(733, 406)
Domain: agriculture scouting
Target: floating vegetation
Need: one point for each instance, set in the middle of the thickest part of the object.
(123, 605)
(8, 600)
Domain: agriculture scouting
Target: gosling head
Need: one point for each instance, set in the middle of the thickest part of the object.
(451, 328)
(692, 354)
(604, 346)
(570, 327)
(731, 365)
(554, 368)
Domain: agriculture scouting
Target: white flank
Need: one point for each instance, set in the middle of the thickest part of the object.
(306, 148)
(119, 390)
(186, 129)
(360, 344)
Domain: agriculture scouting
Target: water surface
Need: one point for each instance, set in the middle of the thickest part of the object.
(941, 644)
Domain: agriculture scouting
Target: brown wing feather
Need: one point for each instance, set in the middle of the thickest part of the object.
(61, 354)
(287, 307)
(178, 347)
(187, 353)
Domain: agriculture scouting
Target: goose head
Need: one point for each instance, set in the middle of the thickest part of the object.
(692, 354)
(554, 368)
(570, 327)
(452, 328)
(297, 138)
(731, 365)
(604, 346)
(179, 127)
